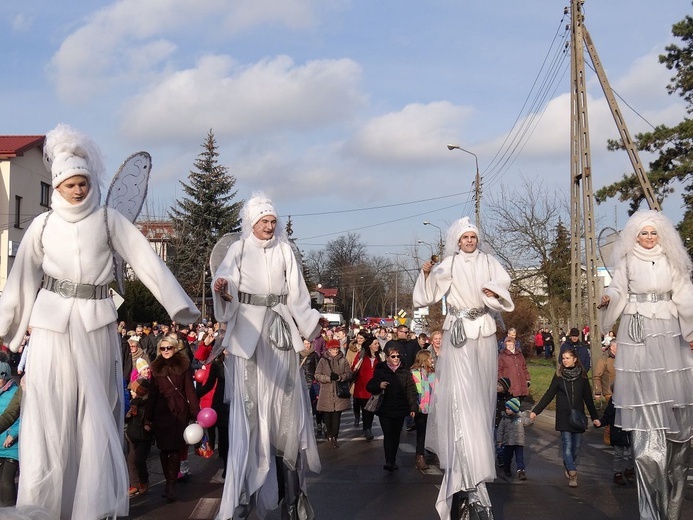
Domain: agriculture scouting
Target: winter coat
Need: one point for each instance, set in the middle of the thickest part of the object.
(400, 395)
(172, 404)
(310, 365)
(511, 429)
(617, 435)
(501, 399)
(514, 367)
(10, 413)
(7, 392)
(580, 393)
(365, 374)
(328, 400)
(425, 383)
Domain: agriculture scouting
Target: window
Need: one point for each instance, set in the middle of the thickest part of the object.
(17, 211)
(45, 194)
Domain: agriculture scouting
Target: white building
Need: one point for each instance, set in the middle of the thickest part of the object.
(25, 192)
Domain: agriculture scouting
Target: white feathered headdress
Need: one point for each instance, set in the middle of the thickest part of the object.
(257, 207)
(669, 239)
(67, 152)
(455, 231)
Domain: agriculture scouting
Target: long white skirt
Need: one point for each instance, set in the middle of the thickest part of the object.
(460, 422)
(654, 380)
(269, 416)
(71, 432)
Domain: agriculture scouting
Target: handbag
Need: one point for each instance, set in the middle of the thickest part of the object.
(374, 402)
(577, 419)
(343, 389)
(279, 332)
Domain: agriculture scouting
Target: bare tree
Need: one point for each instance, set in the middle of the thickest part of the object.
(522, 227)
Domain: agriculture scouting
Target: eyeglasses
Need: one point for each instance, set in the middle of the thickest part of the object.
(165, 349)
(395, 356)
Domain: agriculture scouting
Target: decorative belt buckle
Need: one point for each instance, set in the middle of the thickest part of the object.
(66, 288)
(272, 300)
(474, 313)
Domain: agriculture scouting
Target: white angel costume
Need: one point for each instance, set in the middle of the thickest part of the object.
(71, 447)
(463, 405)
(270, 421)
(651, 292)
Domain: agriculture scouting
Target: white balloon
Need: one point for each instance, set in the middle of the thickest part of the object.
(193, 433)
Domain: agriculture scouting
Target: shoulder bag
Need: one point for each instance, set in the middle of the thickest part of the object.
(577, 419)
(374, 402)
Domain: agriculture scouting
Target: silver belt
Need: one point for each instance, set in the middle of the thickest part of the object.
(470, 314)
(69, 289)
(649, 297)
(263, 300)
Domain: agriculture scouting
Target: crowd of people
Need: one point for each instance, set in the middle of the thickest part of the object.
(270, 376)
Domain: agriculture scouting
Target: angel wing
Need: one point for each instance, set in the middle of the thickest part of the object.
(126, 194)
(605, 243)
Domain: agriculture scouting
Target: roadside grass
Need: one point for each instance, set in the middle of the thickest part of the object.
(542, 371)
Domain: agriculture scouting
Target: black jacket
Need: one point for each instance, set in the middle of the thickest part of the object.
(401, 397)
(580, 393)
(616, 434)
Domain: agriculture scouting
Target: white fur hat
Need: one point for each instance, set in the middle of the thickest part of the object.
(257, 207)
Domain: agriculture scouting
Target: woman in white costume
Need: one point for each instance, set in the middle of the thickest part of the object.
(260, 294)
(72, 413)
(651, 292)
(460, 427)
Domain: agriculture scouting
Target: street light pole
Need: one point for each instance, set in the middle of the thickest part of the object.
(441, 244)
(477, 183)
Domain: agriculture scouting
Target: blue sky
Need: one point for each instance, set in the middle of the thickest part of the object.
(339, 110)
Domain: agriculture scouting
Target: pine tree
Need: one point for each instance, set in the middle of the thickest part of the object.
(201, 218)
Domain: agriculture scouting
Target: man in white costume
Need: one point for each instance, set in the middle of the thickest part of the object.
(260, 294)
(463, 405)
(72, 414)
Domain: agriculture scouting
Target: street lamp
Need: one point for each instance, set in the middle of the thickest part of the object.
(477, 182)
(441, 244)
(396, 280)
(426, 243)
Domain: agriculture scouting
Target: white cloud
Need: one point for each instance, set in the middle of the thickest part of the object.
(130, 39)
(21, 22)
(416, 133)
(272, 95)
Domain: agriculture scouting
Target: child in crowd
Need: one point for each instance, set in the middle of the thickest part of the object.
(511, 435)
(424, 377)
(620, 440)
(502, 395)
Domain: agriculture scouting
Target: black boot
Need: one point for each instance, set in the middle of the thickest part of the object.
(171, 474)
(293, 502)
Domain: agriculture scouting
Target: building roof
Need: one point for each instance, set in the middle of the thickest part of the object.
(156, 229)
(328, 293)
(15, 145)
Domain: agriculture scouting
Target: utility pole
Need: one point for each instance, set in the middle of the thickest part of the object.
(477, 185)
(581, 194)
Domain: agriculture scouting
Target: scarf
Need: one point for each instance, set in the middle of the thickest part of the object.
(647, 255)
(75, 212)
(571, 374)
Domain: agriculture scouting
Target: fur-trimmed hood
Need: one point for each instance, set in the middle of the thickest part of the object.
(176, 365)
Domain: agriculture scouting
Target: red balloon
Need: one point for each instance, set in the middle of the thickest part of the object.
(199, 375)
(207, 417)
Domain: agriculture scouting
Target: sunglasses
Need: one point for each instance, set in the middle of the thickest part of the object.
(165, 349)
(395, 356)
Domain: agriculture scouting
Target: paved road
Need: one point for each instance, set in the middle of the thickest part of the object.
(353, 484)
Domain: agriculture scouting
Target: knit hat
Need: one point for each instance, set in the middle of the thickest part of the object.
(513, 404)
(574, 332)
(141, 364)
(333, 343)
(140, 387)
(258, 207)
(5, 369)
(67, 152)
(505, 383)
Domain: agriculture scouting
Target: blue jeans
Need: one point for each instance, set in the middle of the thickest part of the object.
(570, 447)
(519, 452)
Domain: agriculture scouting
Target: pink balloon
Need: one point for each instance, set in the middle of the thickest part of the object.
(207, 417)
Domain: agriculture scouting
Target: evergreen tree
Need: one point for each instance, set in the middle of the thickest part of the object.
(674, 144)
(201, 218)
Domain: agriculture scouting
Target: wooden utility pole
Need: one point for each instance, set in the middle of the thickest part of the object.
(581, 189)
(581, 194)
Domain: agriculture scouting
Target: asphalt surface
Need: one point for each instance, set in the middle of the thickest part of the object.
(353, 485)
